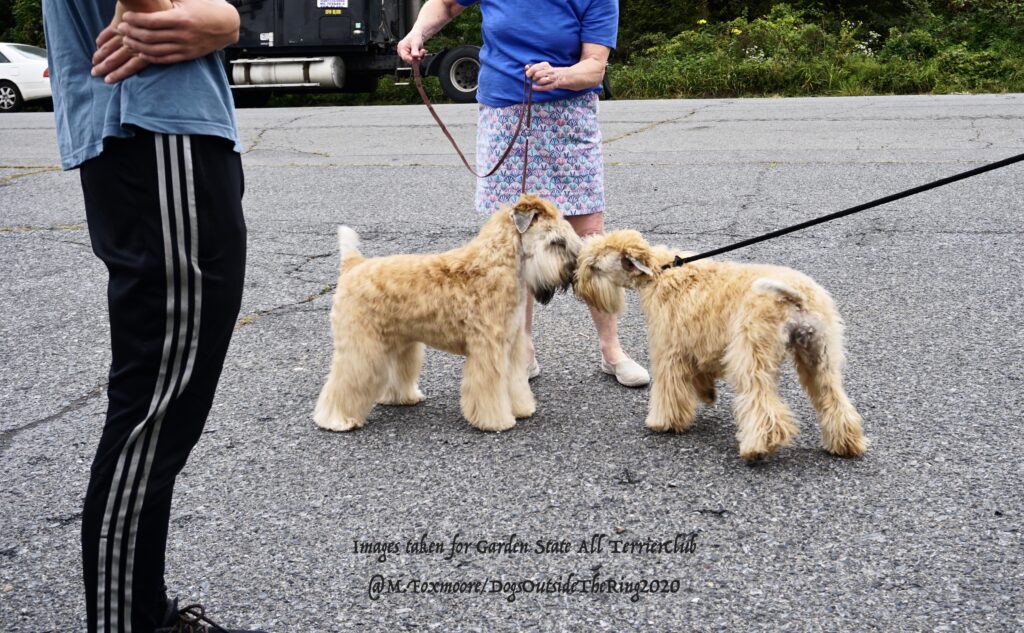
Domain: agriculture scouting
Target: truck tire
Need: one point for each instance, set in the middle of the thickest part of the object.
(458, 72)
(10, 97)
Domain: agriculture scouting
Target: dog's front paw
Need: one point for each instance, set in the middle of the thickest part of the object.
(402, 400)
(757, 447)
(658, 424)
(849, 445)
(524, 409)
(336, 422)
(752, 455)
(494, 426)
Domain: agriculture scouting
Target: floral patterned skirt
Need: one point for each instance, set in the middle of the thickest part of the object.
(566, 164)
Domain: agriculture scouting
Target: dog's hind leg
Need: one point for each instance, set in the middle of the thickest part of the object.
(519, 393)
(403, 369)
(485, 389)
(818, 356)
(673, 403)
(357, 378)
(752, 361)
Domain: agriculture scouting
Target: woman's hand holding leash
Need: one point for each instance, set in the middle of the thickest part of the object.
(546, 77)
(432, 17)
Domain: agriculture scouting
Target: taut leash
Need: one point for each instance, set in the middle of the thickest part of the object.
(679, 261)
(525, 114)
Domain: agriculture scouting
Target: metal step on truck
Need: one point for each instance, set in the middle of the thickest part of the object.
(334, 46)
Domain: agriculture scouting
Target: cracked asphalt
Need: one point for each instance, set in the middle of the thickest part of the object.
(922, 534)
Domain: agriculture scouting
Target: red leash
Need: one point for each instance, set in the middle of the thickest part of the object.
(525, 114)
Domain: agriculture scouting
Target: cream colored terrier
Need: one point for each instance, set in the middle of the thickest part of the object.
(469, 301)
(710, 319)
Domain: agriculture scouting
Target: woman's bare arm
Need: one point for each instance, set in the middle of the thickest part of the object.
(586, 73)
(432, 18)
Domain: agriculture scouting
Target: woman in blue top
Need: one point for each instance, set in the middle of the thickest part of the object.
(563, 47)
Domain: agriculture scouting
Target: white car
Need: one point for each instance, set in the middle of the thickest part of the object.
(24, 75)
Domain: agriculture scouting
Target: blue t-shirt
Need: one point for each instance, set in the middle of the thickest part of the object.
(520, 32)
(186, 98)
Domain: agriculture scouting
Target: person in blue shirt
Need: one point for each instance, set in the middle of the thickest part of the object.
(144, 112)
(562, 46)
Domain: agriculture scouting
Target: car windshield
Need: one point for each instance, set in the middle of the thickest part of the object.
(30, 51)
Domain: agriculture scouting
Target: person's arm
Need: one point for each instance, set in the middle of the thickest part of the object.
(111, 54)
(432, 18)
(586, 73)
(188, 29)
(144, 6)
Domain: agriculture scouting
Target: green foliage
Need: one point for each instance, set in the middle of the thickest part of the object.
(803, 51)
(639, 18)
(463, 30)
(6, 20)
(26, 22)
(917, 45)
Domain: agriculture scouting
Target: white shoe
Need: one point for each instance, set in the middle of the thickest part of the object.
(533, 369)
(627, 371)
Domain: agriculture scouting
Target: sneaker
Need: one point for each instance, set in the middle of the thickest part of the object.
(627, 371)
(192, 619)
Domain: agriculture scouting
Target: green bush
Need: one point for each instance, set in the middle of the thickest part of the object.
(918, 44)
(26, 25)
(792, 51)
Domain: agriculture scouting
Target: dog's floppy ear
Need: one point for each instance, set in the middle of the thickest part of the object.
(523, 216)
(633, 265)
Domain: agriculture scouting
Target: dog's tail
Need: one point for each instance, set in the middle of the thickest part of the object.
(348, 246)
(782, 290)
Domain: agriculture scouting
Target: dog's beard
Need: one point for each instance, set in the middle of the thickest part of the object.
(549, 276)
(544, 294)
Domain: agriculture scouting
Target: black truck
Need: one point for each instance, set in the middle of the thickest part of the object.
(334, 45)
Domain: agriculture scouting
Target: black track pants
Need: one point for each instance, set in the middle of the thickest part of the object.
(165, 216)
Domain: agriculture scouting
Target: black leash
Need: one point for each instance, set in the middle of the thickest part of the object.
(679, 261)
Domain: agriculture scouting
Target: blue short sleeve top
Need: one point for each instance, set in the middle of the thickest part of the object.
(520, 32)
(186, 98)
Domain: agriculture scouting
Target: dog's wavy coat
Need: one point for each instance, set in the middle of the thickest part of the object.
(469, 301)
(712, 319)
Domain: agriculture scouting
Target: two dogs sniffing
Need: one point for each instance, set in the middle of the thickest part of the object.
(706, 321)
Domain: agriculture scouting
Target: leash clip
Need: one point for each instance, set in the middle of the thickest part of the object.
(676, 263)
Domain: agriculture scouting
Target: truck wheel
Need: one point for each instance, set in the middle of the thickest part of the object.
(458, 73)
(10, 98)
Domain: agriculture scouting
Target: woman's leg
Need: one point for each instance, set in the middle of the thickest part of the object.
(606, 324)
(528, 328)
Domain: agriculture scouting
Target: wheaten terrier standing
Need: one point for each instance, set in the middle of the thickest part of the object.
(469, 301)
(711, 319)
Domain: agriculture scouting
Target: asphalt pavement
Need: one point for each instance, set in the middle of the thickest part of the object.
(280, 525)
